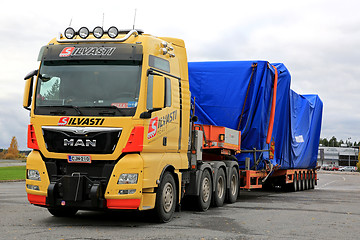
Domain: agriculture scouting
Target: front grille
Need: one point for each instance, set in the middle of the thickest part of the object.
(82, 140)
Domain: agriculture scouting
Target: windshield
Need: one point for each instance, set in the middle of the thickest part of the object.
(88, 88)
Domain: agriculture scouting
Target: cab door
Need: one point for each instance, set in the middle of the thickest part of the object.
(163, 103)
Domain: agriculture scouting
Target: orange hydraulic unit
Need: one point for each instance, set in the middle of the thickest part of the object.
(224, 138)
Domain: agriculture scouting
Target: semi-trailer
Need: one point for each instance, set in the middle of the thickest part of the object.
(121, 120)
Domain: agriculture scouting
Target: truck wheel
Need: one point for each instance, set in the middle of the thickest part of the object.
(62, 211)
(233, 190)
(204, 198)
(220, 188)
(165, 199)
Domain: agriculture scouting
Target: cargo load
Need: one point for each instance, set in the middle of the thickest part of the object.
(238, 95)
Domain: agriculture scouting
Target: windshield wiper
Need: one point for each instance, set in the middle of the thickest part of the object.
(61, 112)
(107, 112)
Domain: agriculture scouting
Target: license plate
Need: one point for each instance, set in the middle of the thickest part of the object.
(79, 159)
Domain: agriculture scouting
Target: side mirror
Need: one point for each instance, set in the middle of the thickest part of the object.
(28, 89)
(158, 92)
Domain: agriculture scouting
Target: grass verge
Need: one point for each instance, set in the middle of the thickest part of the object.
(12, 173)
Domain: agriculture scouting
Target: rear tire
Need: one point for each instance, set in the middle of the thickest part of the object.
(205, 193)
(62, 211)
(220, 188)
(233, 191)
(165, 199)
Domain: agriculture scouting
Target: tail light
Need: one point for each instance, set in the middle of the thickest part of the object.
(32, 142)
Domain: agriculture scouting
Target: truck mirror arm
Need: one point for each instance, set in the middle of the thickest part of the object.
(31, 74)
(147, 114)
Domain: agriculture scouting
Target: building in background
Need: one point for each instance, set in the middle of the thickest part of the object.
(338, 156)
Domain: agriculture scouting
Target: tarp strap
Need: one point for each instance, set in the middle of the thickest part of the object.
(273, 105)
(254, 65)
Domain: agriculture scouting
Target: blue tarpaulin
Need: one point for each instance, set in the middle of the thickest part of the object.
(238, 95)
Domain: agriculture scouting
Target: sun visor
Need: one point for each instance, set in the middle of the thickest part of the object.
(128, 52)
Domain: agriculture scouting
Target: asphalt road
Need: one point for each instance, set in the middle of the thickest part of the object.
(331, 211)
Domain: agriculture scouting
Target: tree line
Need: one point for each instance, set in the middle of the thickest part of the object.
(333, 142)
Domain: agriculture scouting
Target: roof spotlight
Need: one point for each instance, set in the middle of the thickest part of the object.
(83, 32)
(98, 32)
(113, 32)
(69, 33)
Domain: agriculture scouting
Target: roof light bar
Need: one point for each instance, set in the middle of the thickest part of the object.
(98, 33)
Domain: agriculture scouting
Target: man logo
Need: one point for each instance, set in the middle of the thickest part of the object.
(79, 143)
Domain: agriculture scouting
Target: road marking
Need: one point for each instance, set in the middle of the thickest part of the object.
(326, 184)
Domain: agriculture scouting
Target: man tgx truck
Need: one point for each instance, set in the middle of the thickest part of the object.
(113, 126)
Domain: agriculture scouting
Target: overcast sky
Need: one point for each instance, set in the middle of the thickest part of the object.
(318, 41)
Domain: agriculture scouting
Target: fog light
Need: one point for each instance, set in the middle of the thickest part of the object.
(33, 174)
(33, 187)
(128, 178)
(128, 191)
(83, 32)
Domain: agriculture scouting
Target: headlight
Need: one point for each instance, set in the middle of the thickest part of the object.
(113, 32)
(33, 175)
(98, 32)
(83, 32)
(128, 178)
(69, 33)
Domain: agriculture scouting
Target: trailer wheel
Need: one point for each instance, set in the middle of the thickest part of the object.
(233, 190)
(62, 211)
(165, 199)
(306, 181)
(295, 184)
(220, 188)
(204, 198)
(302, 181)
(300, 185)
(312, 180)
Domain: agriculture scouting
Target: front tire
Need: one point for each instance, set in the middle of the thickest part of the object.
(166, 199)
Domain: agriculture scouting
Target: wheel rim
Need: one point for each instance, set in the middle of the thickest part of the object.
(233, 185)
(205, 190)
(220, 187)
(168, 197)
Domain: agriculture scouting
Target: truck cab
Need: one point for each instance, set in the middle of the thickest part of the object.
(109, 122)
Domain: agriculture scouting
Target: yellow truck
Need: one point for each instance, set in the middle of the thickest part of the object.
(111, 127)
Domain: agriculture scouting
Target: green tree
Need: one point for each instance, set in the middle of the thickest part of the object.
(333, 142)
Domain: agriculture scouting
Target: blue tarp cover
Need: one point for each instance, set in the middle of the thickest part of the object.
(225, 90)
